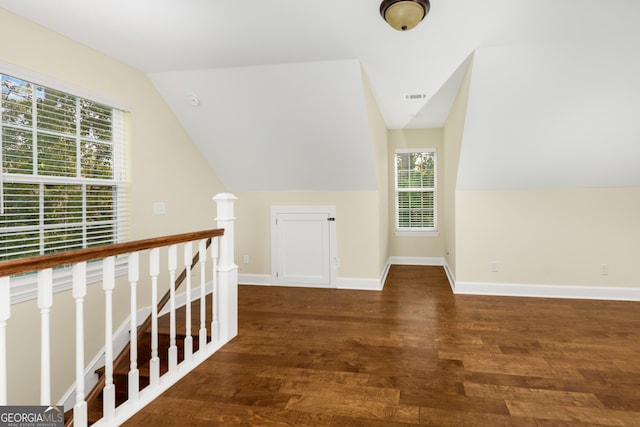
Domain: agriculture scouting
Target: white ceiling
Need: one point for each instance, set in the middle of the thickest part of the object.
(295, 127)
(171, 35)
(280, 78)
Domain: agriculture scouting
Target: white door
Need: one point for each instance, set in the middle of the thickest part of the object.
(302, 246)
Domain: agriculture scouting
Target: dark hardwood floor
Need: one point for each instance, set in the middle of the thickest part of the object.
(414, 354)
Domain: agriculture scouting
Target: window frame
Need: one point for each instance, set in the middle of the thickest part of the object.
(24, 287)
(415, 231)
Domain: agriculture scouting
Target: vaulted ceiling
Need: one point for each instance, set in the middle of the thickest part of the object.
(280, 83)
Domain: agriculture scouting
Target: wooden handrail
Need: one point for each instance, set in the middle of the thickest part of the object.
(124, 353)
(28, 265)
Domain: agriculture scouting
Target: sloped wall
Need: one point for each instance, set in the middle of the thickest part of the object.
(281, 127)
(379, 144)
(548, 187)
(164, 166)
(361, 216)
(452, 134)
(553, 115)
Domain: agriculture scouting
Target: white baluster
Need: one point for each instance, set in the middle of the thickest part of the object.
(5, 314)
(79, 292)
(134, 373)
(202, 255)
(173, 349)
(45, 300)
(215, 327)
(154, 363)
(188, 341)
(109, 390)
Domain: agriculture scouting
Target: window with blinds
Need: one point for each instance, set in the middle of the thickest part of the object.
(415, 172)
(62, 184)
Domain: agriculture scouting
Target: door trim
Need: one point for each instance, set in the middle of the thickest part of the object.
(333, 247)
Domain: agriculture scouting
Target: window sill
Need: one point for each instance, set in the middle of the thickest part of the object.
(416, 233)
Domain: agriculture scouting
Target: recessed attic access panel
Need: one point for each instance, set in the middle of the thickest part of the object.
(303, 246)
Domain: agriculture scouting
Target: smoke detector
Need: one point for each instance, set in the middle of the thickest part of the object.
(193, 100)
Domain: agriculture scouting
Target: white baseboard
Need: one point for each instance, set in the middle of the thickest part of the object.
(548, 291)
(524, 290)
(397, 260)
(341, 283)
(450, 276)
(385, 273)
(359, 284)
(254, 279)
(372, 284)
(181, 298)
(475, 288)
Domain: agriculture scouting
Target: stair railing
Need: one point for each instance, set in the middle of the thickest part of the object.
(130, 349)
(224, 310)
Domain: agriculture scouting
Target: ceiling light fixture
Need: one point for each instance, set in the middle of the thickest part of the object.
(403, 15)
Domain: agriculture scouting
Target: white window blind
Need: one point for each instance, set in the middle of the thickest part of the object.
(62, 159)
(415, 185)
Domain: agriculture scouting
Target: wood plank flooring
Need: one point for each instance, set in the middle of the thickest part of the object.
(414, 354)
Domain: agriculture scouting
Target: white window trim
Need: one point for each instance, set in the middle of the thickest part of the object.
(24, 288)
(53, 83)
(415, 232)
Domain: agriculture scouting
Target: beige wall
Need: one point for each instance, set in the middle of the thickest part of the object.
(361, 216)
(452, 133)
(165, 166)
(559, 236)
(415, 246)
(358, 244)
(549, 236)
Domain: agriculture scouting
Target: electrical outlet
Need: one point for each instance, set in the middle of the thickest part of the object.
(245, 259)
(604, 269)
(494, 266)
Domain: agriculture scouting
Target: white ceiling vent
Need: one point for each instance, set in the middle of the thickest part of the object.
(414, 96)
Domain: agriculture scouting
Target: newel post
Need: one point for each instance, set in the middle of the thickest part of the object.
(227, 269)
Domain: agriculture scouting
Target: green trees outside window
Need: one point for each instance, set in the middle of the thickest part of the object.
(415, 190)
(60, 186)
